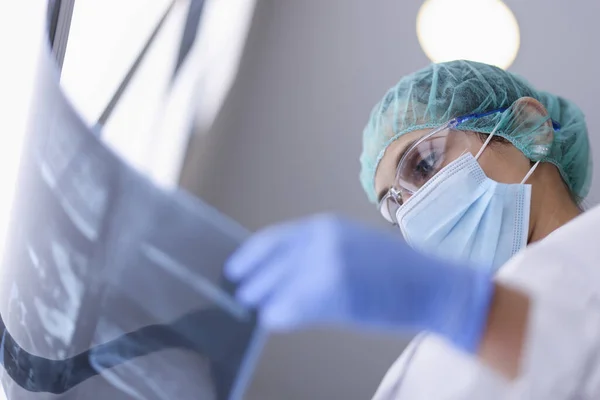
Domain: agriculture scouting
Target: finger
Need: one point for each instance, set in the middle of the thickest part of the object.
(266, 280)
(298, 300)
(257, 250)
(281, 316)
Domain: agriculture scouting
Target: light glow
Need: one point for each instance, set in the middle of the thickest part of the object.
(477, 30)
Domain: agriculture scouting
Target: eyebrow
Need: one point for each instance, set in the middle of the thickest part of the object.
(399, 157)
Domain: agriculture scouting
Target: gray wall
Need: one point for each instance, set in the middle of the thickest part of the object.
(288, 139)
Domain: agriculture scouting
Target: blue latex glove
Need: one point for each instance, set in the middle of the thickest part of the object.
(329, 270)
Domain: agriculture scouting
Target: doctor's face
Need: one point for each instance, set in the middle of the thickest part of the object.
(501, 161)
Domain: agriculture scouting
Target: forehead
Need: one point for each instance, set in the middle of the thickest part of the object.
(386, 170)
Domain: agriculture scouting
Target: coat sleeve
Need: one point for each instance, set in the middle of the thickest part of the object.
(561, 357)
(561, 361)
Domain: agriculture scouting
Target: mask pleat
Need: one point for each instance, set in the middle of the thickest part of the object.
(488, 231)
(466, 216)
(464, 212)
(461, 238)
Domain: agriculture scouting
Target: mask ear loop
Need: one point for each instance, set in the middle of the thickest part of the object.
(531, 171)
(487, 141)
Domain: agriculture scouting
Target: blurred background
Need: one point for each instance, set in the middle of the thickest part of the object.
(289, 135)
(281, 91)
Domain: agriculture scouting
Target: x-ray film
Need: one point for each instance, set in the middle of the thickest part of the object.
(112, 287)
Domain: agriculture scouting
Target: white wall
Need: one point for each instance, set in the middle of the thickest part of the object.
(289, 139)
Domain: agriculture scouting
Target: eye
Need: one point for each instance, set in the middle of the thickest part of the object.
(421, 163)
(424, 167)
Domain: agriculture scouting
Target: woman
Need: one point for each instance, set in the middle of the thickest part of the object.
(472, 164)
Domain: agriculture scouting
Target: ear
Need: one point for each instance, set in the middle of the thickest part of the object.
(530, 119)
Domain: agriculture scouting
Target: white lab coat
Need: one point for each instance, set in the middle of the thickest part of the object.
(561, 356)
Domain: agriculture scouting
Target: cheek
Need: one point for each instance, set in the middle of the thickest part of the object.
(504, 168)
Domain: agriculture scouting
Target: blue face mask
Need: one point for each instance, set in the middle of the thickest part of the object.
(462, 215)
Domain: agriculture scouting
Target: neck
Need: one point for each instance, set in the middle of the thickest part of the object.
(551, 215)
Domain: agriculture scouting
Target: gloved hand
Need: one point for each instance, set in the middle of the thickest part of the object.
(329, 270)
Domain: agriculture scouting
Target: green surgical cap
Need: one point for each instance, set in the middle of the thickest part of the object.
(434, 95)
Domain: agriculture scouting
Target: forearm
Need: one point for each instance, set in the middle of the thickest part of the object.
(505, 331)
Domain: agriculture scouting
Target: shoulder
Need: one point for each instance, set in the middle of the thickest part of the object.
(431, 368)
(563, 263)
(392, 381)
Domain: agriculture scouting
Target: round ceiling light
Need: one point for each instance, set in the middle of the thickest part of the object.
(477, 30)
